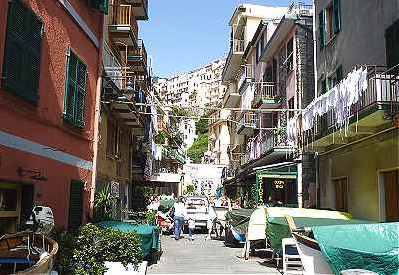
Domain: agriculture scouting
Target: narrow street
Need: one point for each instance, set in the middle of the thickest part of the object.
(206, 257)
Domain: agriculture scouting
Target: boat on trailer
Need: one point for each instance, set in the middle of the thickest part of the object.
(32, 251)
(367, 248)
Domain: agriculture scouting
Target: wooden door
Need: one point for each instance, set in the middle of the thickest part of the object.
(341, 194)
(391, 195)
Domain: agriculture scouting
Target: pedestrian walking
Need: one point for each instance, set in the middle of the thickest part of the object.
(180, 213)
(211, 223)
(191, 228)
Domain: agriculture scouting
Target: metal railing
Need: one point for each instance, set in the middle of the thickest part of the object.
(113, 66)
(300, 8)
(265, 91)
(122, 15)
(248, 120)
(246, 76)
(382, 92)
(138, 56)
(238, 45)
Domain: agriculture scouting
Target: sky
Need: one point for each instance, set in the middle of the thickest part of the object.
(182, 35)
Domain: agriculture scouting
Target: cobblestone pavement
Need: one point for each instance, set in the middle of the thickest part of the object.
(206, 257)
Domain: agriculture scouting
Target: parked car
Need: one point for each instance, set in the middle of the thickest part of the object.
(198, 209)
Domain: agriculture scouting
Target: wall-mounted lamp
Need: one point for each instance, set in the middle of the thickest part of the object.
(35, 175)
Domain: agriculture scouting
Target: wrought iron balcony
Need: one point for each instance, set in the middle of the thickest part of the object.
(247, 124)
(137, 58)
(379, 103)
(265, 94)
(113, 66)
(247, 77)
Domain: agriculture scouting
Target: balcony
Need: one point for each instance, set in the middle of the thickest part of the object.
(164, 174)
(268, 144)
(237, 48)
(137, 58)
(122, 25)
(247, 77)
(373, 111)
(247, 124)
(140, 8)
(113, 67)
(232, 97)
(266, 95)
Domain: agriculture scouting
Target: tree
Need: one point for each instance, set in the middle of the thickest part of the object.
(199, 147)
(202, 125)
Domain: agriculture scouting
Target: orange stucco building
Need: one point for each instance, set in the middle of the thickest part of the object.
(50, 69)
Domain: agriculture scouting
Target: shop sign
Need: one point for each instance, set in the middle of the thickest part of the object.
(279, 184)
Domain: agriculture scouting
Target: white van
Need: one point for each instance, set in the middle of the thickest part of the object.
(198, 209)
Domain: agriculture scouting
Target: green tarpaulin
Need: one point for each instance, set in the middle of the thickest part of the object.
(277, 227)
(373, 247)
(239, 219)
(150, 240)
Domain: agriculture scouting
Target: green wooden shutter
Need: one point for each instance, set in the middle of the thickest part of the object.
(69, 102)
(23, 52)
(337, 16)
(76, 89)
(321, 29)
(80, 98)
(101, 5)
(75, 205)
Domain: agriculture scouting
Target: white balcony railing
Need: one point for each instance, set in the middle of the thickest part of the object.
(238, 46)
(246, 76)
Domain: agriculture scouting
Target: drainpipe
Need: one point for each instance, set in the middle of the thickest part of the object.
(315, 95)
(97, 116)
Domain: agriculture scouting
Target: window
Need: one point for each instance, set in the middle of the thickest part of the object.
(8, 199)
(22, 54)
(76, 89)
(391, 195)
(341, 194)
(329, 22)
(290, 55)
(392, 44)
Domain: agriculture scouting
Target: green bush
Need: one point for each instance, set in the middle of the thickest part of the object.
(151, 217)
(103, 205)
(199, 147)
(86, 252)
(202, 125)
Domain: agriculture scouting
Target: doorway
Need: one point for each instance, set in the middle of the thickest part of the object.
(341, 194)
(390, 195)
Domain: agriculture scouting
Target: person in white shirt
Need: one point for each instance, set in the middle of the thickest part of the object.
(180, 213)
